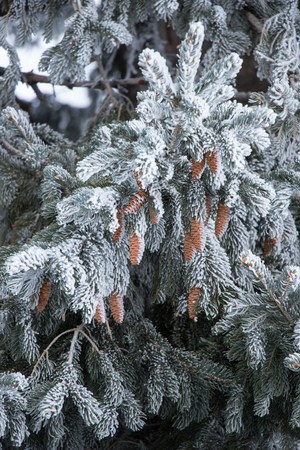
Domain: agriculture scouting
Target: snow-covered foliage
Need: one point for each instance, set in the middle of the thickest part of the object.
(151, 271)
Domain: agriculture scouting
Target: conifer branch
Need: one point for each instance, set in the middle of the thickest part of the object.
(95, 347)
(42, 97)
(108, 328)
(173, 138)
(104, 78)
(45, 352)
(275, 300)
(32, 78)
(11, 149)
(76, 332)
(285, 290)
(73, 343)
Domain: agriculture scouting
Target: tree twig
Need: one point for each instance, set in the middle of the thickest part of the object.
(255, 22)
(76, 332)
(276, 301)
(49, 346)
(11, 149)
(33, 78)
(73, 343)
(91, 342)
(42, 97)
(284, 292)
(104, 79)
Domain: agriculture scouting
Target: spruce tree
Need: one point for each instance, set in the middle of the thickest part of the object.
(150, 262)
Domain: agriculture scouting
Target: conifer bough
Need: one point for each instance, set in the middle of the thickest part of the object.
(150, 270)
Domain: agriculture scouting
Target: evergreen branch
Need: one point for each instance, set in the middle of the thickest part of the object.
(285, 290)
(73, 343)
(111, 94)
(173, 138)
(104, 78)
(49, 346)
(90, 341)
(108, 328)
(11, 149)
(76, 331)
(42, 97)
(275, 300)
(32, 78)
(19, 127)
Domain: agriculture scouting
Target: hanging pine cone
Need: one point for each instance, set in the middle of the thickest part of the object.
(153, 215)
(222, 220)
(268, 245)
(208, 205)
(198, 234)
(100, 315)
(116, 307)
(193, 298)
(118, 232)
(213, 161)
(136, 177)
(135, 202)
(197, 168)
(188, 247)
(136, 249)
(45, 292)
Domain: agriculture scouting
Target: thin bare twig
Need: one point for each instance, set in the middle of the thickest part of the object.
(42, 97)
(255, 22)
(45, 352)
(276, 301)
(11, 149)
(76, 332)
(104, 79)
(73, 343)
(108, 328)
(93, 344)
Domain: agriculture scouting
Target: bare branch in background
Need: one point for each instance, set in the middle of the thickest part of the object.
(255, 22)
(31, 78)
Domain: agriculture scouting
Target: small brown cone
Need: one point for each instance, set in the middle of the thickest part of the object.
(188, 247)
(198, 234)
(197, 168)
(44, 296)
(116, 307)
(193, 298)
(222, 219)
(135, 202)
(135, 174)
(118, 232)
(153, 215)
(208, 205)
(213, 161)
(136, 249)
(268, 245)
(100, 315)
